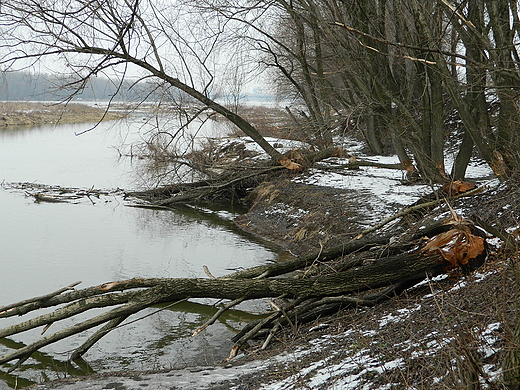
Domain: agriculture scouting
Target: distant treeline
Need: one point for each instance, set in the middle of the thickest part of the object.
(26, 86)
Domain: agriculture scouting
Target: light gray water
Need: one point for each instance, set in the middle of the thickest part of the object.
(46, 246)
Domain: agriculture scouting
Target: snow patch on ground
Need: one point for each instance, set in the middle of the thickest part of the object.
(385, 184)
(383, 189)
(401, 315)
(359, 368)
(283, 209)
(386, 188)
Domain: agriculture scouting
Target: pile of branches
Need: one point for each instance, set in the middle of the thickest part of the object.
(362, 272)
(230, 172)
(42, 193)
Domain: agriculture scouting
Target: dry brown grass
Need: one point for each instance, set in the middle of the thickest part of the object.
(34, 113)
(273, 122)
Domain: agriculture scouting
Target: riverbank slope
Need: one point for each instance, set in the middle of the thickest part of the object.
(447, 332)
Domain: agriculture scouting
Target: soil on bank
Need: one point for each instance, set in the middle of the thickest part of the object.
(36, 114)
(301, 218)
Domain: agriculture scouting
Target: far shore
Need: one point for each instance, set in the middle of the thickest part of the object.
(43, 113)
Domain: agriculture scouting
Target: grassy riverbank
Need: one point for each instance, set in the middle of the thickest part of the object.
(44, 113)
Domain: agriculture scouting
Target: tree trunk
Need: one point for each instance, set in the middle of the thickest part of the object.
(391, 270)
(395, 272)
(463, 158)
(234, 118)
(372, 136)
(400, 269)
(476, 89)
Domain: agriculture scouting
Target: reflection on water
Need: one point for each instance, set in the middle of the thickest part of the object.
(55, 155)
(41, 362)
(162, 343)
(47, 246)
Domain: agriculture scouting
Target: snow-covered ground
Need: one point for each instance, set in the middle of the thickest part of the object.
(348, 366)
(385, 188)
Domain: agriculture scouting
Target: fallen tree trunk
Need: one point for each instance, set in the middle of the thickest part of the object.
(229, 180)
(457, 246)
(200, 190)
(391, 270)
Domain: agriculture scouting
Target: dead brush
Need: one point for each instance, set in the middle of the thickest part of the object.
(274, 122)
(481, 343)
(217, 156)
(267, 192)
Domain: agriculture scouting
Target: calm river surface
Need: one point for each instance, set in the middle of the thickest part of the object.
(46, 246)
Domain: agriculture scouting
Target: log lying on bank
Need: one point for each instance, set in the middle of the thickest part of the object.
(352, 277)
(200, 190)
(233, 177)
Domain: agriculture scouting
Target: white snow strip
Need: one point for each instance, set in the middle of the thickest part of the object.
(284, 209)
(383, 183)
(460, 284)
(489, 338)
(402, 315)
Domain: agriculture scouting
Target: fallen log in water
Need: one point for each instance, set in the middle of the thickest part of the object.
(313, 292)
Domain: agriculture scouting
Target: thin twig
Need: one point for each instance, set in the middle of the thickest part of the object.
(270, 335)
(40, 298)
(110, 325)
(215, 317)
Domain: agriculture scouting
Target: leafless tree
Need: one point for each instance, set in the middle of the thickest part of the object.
(162, 41)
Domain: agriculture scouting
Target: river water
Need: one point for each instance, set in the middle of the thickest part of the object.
(46, 246)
